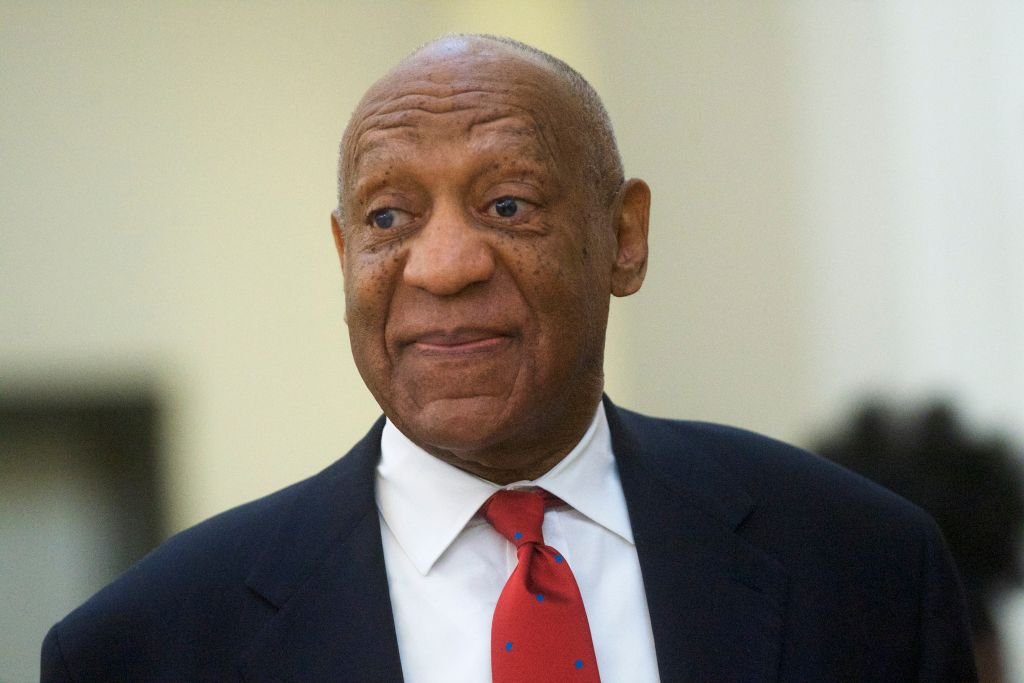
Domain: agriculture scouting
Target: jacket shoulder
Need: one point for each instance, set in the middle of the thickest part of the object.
(871, 591)
(190, 597)
(176, 596)
(779, 476)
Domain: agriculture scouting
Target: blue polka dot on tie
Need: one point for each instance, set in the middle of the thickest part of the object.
(540, 597)
(579, 663)
(559, 559)
(508, 646)
(518, 535)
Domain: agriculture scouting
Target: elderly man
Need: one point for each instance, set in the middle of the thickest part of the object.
(504, 521)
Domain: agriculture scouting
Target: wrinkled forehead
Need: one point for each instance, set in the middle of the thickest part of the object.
(470, 97)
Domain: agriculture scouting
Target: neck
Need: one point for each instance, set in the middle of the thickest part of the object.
(521, 459)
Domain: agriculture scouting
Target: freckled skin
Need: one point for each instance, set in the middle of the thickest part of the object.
(481, 335)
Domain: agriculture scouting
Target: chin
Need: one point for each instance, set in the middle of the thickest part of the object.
(458, 424)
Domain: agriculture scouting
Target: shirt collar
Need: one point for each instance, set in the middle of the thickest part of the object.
(426, 502)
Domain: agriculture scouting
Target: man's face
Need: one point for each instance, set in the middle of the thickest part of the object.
(477, 264)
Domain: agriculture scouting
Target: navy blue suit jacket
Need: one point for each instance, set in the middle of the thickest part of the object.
(760, 562)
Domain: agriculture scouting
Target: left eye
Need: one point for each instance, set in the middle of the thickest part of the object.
(505, 207)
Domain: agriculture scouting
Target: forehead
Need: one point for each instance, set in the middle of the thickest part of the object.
(469, 98)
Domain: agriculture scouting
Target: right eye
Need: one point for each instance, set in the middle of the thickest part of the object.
(388, 218)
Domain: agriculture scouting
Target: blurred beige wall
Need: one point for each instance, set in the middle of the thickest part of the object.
(837, 209)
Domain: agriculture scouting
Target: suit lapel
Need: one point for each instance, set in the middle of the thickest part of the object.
(716, 602)
(324, 571)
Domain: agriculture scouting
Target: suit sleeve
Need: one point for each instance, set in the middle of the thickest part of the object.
(53, 668)
(947, 651)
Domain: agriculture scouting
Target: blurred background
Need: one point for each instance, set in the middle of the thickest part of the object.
(838, 214)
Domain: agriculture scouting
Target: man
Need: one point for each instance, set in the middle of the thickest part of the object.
(483, 223)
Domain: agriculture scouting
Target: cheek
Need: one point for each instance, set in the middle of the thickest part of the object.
(369, 283)
(562, 288)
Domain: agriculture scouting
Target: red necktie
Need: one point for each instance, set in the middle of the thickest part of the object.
(540, 632)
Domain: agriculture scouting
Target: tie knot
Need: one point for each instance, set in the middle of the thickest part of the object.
(518, 515)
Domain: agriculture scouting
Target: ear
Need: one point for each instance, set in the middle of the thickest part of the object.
(631, 222)
(339, 237)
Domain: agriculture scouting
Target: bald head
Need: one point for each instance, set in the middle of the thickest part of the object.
(485, 226)
(566, 91)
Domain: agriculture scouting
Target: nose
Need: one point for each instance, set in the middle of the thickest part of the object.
(448, 254)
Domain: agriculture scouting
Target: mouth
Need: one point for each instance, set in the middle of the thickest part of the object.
(458, 342)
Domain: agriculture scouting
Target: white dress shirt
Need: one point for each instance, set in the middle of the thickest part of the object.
(446, 566)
